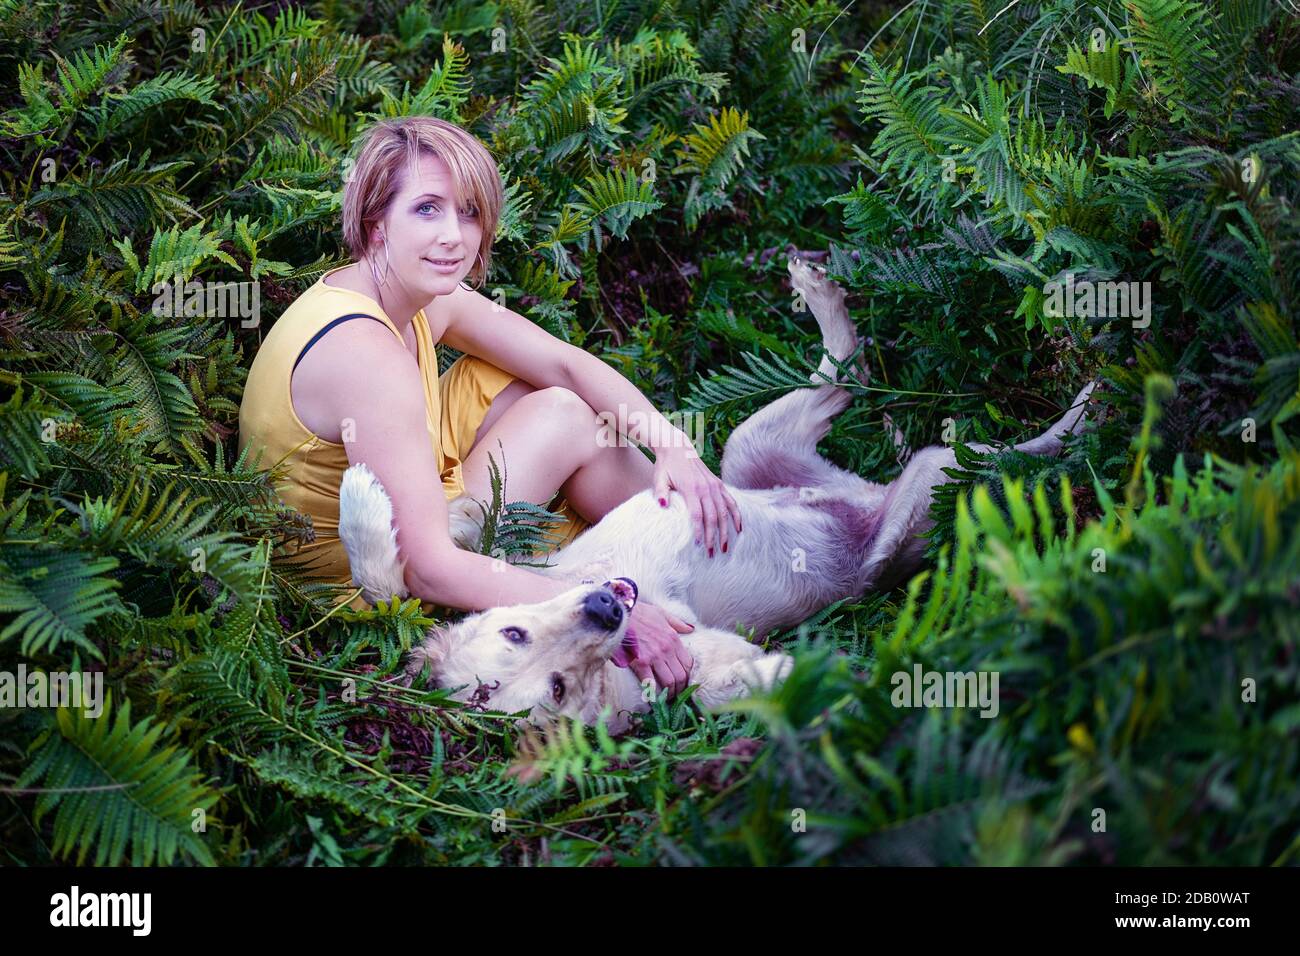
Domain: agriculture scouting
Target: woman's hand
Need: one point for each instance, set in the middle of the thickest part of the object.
(655, 649)
(711, 505)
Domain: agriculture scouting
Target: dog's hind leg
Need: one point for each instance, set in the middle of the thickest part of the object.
(777, 445)
(896, 549)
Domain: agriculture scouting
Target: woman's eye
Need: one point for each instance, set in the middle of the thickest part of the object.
(425, 205)
(515, 635)
(557, 688)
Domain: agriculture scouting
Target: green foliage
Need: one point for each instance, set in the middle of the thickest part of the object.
(659, 162)
(120, 788)
(1130, 652)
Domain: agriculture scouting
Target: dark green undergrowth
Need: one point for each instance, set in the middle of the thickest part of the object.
(951, 163)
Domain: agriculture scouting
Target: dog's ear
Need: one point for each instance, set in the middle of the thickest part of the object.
(430, 654)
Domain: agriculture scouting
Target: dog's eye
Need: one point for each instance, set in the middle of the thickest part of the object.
(515, 635)
(557, 688)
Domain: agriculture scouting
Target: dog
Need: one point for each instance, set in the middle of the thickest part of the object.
(813, 533)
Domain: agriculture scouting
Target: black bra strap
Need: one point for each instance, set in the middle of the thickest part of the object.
(316, 338)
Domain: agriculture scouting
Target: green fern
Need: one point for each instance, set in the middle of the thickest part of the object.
(763, 377)
(118, 198)
(912, 138)
(120, 788)
(613, 201)
(1175, 40)
(1107, 69)
(443, 94)
(174, 254)
(86, 72)
(120, 110)
(55, 596)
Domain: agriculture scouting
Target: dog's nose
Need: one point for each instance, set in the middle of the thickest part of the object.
(603, 609)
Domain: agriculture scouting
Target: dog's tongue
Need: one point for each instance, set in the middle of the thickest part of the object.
(625, 590)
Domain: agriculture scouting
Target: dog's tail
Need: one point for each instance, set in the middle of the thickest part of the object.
(366, 529)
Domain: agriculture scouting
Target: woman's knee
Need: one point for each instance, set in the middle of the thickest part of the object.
(504, 400)
(562, 407)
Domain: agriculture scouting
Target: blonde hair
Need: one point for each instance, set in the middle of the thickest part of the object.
(376, 176)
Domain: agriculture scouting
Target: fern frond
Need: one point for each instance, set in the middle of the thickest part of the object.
(653, 62)
(444, 94)
(27, 429)
(121, 788)
(119, 198)
(86, 73)
(297, 89)
(170, 533)
(91, 403)
(577, 99)
(312, 777)
(615, 201)
(1175, 40)
(54, 595)
(714, 154)
(911, 140)
(164, 411)
(173, 255)
(119, 110)
(252, 39)
(764, 377)
(1108, 69)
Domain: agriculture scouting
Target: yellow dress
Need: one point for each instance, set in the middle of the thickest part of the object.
(455, 405)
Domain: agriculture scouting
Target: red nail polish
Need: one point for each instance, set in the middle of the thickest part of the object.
(710, 552)
(663, 503)
(724, 547)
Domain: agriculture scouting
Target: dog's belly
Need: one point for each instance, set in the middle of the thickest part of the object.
(638, 540)
(800, 560)
(794, 557)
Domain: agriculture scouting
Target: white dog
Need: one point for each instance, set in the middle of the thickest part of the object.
(813, 534)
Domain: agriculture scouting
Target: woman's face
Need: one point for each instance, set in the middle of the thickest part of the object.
(425, 232)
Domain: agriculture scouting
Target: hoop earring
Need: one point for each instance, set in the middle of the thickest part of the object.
(388, 265)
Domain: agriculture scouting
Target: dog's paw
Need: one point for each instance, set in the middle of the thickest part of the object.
(465, 527)
(428, 655)
(812, 283)
(764, 673)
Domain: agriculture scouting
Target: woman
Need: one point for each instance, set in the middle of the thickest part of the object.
(349, 374)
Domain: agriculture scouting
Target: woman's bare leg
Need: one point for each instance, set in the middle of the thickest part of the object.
(550, 442)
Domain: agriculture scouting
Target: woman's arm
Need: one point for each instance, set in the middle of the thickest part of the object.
(480, 327)
(361, 380)
(358, 381)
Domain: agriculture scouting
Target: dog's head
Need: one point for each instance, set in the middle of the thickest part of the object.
(541, 658)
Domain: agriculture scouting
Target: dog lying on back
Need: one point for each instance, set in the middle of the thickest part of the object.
(814, 533)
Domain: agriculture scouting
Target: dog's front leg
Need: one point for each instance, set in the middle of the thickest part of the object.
(727, 666)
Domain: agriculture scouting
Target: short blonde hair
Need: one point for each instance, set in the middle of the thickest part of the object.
(376, 177)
